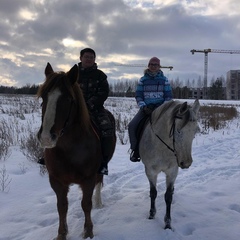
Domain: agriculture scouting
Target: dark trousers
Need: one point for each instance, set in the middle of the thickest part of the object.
(106, 127)
(132, 128)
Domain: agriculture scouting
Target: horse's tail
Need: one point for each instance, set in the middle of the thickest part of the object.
(99, 179)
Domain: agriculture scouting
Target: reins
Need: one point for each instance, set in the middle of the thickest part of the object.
(67, 121)
(171, 134)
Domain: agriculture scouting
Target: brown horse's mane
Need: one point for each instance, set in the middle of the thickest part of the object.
(61, 81)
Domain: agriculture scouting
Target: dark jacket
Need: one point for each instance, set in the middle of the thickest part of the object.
(94, 85)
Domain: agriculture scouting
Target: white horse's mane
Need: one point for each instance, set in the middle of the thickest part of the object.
(171, 110)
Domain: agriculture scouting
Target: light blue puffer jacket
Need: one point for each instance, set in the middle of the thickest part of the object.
(153, 89)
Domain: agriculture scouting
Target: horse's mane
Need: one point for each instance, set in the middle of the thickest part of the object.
(60, 80)
(51, 82)
(174, 107)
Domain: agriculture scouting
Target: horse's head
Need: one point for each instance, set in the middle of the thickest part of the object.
(185, 128)
(61, 97)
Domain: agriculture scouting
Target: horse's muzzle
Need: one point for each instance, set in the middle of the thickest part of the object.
(184, 165)
(47, 140)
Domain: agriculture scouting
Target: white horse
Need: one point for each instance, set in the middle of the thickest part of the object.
(165, 145)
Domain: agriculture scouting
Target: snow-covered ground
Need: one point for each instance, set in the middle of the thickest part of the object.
(206, 203)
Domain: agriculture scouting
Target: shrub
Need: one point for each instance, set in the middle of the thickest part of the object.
(30, 147)
(217, 116)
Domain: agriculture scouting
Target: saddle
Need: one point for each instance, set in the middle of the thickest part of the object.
(103, 123)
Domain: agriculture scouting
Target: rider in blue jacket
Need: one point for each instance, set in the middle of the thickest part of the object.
(153, 90)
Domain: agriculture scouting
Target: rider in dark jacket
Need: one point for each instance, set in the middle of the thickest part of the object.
(95, 88)
(94, 85)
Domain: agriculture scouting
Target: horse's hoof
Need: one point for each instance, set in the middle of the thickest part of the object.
(98, 206)
(60, 237)
(152, 214)
(87, 234)
(168, 224)
(151, 217)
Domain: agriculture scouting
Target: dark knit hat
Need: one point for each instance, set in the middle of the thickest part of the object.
(90, 50)
(154, 60)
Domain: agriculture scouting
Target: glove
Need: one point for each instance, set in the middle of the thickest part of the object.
(147, 110)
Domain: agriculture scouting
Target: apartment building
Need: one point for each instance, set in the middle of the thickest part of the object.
(233, 85)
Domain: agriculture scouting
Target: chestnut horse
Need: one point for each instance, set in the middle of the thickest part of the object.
(72, 146)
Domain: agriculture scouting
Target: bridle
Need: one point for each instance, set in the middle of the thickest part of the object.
(67, 120)
(171, 134)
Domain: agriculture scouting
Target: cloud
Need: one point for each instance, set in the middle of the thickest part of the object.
(34, 32)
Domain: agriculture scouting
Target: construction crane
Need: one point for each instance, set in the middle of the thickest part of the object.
(140, 65)
(206, 51)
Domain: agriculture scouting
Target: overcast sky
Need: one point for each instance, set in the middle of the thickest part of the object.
(34, 32)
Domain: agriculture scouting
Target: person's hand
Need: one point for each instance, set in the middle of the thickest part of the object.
(147, 110)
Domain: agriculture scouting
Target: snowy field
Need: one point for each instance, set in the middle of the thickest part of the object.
(206, 202)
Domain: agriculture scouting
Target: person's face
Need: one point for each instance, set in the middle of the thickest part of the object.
(87, 59)
(153, 67)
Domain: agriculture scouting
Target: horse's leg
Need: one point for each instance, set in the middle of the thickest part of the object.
(170, 179)
(62, 206)
(153, 194)
(168, 200)
(87, 189)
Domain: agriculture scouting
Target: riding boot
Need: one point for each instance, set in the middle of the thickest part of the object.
(106, 128)
(134, 156)
(103, 168)
(107, 145)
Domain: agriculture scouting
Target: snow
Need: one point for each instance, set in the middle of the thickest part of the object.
(206, 201)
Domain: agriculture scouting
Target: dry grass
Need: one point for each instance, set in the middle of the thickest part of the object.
(21, 131)
(217, 116)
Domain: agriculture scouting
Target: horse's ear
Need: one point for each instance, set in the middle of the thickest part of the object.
(196, 106)
(183, 108)
(48, 69)
(73, 74)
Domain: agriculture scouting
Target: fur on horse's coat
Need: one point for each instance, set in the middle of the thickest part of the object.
(166, 145)
(72, 148)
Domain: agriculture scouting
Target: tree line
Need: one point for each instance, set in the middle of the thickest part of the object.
(27, 89)
(216, 91)
(126, 88)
